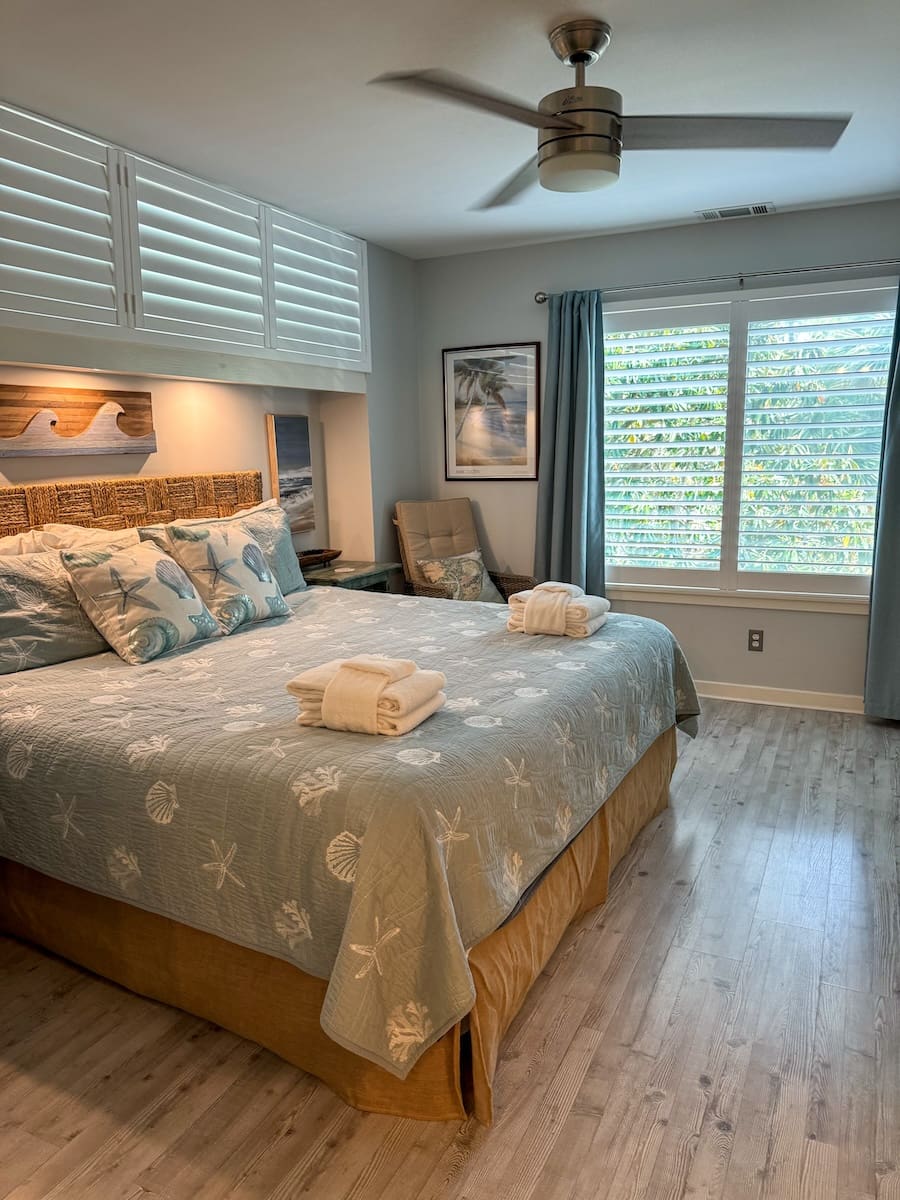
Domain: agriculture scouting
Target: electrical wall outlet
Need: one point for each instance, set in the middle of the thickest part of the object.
(754, 639)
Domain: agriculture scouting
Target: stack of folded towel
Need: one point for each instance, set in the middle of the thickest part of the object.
(366, 694)
(559, 608)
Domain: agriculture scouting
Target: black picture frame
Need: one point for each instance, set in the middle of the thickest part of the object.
(489, 435)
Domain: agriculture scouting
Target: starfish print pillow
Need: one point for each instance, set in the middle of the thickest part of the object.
(41, 622)
(267, 522)
(230, 572)
(139, 599)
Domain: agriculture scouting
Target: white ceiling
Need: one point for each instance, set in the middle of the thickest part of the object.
(270, 98)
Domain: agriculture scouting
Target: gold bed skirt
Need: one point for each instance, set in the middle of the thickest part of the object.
(271, 1002)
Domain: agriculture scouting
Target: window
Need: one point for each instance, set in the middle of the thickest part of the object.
(92, 235)
(743, 438)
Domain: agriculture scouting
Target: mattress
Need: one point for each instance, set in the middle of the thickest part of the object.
(186, 788)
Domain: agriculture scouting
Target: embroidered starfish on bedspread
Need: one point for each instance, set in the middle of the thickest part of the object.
(127, 593)
(221, 865)
(517, 779)
(65, 818)
(217, 569)
(450, 831)
(370, 953)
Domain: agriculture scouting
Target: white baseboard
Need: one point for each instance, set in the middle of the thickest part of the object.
(787, 697)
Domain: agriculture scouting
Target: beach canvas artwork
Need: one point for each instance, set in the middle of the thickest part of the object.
(290, 463)
(491, 411)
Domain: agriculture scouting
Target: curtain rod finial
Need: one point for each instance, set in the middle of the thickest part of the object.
(540, 297)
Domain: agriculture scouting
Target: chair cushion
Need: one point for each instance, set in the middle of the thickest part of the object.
(432, 529)
(463, 575)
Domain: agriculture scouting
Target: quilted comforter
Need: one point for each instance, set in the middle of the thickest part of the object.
(186, 787)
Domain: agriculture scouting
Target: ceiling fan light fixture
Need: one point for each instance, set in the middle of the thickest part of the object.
(579, 171)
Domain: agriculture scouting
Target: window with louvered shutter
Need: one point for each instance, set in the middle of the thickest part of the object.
(666, 401)
(743, 439)
(60, 251)
(197, 254)
(318, 287)
(813, 413)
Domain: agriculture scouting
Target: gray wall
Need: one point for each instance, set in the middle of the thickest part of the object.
(392, 393)
(478, 299)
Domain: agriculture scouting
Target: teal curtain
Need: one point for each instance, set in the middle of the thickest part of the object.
(882, 697)
(569, 545)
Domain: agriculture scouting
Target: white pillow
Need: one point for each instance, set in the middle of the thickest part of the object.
(78, 537)
(29, 542)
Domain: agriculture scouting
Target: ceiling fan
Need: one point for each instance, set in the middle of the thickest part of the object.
(581, 129)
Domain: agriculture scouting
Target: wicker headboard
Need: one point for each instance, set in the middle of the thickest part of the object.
(120, 503)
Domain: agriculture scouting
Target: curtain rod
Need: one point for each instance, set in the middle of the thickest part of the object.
(740, 276)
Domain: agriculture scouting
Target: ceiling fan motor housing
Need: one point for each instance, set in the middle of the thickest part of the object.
(583, 161)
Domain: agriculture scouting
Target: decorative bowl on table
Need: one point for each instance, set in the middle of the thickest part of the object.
(310, 559)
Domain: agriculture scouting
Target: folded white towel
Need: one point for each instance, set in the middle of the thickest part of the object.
(540, 611)
(350, 701)
(551, 585)
(397, 699)
(583, 608)
(574, 629)
(367, 695)
(387, 724)
(545, 612)
(390, 669)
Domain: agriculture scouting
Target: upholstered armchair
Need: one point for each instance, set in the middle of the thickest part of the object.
(429, 529)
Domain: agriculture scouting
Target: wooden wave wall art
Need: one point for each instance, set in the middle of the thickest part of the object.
(42, 421)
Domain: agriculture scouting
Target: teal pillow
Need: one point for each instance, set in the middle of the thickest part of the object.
(230, 572)
(41, 621)
(267, 524)
(139, 599)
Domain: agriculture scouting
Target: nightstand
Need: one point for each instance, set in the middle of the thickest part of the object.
(360, 576)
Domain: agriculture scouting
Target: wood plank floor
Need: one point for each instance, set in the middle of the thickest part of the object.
(726, 1026)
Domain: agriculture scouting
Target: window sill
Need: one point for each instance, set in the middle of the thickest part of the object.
(796, 601)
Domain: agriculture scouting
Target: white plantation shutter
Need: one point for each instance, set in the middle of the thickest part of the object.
(813, 413)
(318, 292)
(60, 249)
(665, 418)
(91, 235)
(743, 438)
(197, 257)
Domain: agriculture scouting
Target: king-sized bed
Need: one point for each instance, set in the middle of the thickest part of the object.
(373, 909)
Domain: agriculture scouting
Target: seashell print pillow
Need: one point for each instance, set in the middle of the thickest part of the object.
(41, 621)
(267, 524)
(463, 575)
(231, 573)
(139, 599)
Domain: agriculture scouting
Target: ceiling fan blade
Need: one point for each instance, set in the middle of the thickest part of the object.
(512, 187)
(732, 133)
(444, 86)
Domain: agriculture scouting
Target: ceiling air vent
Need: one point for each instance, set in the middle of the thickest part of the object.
(735, 210)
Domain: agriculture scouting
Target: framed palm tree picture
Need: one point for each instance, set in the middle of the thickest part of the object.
(491, 407)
